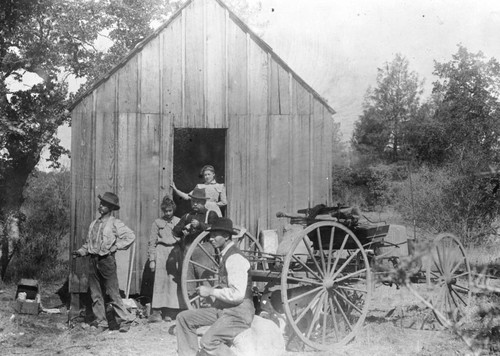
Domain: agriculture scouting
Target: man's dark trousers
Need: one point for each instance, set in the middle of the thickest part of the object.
(102, 273)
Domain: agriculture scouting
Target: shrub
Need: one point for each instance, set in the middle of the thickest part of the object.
(445, 200)
(438, 199)
(365, 186)
(378, 184)
(42, 252)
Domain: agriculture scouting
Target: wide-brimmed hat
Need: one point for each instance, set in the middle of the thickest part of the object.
(198, 193)
(223, 224)
(111, 199)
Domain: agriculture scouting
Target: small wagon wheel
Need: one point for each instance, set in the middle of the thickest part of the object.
(450, 275)
(332, 278)
(200, 265)
(251, 248)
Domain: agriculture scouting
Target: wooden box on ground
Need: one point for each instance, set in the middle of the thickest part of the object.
(31, 303)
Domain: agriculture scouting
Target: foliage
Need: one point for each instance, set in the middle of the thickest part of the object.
(460, 123)
(28, 119)
(469, 111)
(123, 23)
(43, 251)
(394, 101)
(421, 199)
(365, 186)
(344, 189)
(449, 140)
(445, 201)
(464, 134)
(425, 136)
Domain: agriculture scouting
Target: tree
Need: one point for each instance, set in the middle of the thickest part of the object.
(469, 114)
(425, 137)
(457, 133)
(469, 111)
(393, 102)
(28, 119)
(53, 38)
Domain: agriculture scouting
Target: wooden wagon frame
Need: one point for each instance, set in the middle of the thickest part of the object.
(322, 280)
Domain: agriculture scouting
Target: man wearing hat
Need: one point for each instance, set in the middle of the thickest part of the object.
(106, 235)
(190, 226)
(233, 309)
(215, 192)
(197, 220)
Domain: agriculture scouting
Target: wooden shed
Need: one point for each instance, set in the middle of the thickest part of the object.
(203, 89)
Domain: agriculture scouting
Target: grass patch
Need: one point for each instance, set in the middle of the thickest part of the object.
(486, 255)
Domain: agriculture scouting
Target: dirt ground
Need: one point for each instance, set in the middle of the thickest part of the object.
(396, 325)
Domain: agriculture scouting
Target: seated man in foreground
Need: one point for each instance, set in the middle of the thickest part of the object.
(233, 309)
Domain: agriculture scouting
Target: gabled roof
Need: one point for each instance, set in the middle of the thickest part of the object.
(265, 47)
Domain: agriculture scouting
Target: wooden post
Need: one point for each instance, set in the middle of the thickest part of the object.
(74, 308)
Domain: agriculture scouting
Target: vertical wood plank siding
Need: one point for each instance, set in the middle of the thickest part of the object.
(215, 85)
(127, 100)
(237, 70)
(82, 173)
(258, 67)
(279, 160)
(203, 70)
(194, 70)
(149, 148)
(172, 74)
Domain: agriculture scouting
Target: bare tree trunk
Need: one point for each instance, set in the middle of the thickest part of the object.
(10, 237)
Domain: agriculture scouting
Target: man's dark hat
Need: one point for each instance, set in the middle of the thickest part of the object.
(223, 224)
(111, 199)
(199, 193)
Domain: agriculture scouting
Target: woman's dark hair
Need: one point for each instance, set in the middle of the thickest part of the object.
(167, 202)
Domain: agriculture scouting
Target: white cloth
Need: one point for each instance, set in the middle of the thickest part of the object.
(237, 268)
(264, 337)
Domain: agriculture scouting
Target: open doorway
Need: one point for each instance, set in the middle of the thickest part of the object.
(194, 148)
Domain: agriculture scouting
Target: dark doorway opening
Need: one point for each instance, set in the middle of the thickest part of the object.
(194, 148)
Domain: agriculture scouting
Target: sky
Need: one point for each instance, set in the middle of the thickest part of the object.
(336, 46)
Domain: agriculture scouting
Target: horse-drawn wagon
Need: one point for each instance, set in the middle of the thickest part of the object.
(320, 277)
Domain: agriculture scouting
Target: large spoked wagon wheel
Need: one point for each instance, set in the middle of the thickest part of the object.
(199, 267)
(451, 278)
(201, 264)
(326, 285)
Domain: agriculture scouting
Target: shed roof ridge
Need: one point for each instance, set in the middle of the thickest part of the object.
(242, 25)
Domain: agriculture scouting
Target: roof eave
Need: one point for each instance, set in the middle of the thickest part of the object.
(240, 24)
